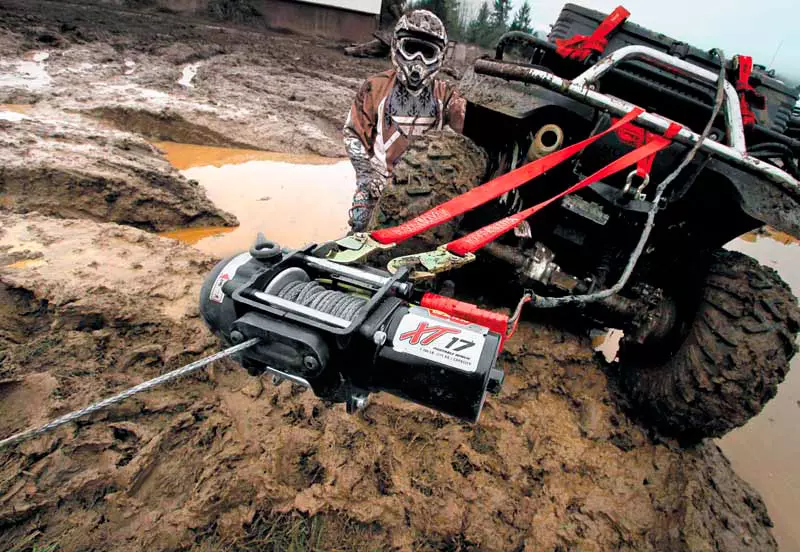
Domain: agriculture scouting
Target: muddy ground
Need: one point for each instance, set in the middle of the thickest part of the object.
(225, 461)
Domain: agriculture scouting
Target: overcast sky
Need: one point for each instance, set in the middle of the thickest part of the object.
(754, 27)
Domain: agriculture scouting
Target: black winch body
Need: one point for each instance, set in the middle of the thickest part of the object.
(347, 331)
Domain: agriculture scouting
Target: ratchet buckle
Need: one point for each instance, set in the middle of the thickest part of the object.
(430, 263)
(355, 248)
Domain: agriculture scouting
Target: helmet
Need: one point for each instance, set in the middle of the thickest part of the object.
(418, 48)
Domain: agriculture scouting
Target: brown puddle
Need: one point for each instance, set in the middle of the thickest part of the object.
(27, 263)
(293, 199)
(765, 452)
(193, 235)
(17, 108)
(187, 156)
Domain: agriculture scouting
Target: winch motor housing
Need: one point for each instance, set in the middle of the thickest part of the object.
(347, 331)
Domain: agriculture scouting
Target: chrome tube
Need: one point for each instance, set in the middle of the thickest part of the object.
(733, 113)
(344, 270)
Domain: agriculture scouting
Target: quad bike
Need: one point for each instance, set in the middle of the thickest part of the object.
(709, 333)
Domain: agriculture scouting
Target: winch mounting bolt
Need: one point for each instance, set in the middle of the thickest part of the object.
(236, 337)
(310, 362)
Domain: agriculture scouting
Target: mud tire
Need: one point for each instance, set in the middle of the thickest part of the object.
(436, 167)
(735, 354)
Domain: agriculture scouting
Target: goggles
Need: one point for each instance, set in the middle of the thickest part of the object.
(413, 48)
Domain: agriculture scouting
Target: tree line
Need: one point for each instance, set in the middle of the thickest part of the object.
(483, 28)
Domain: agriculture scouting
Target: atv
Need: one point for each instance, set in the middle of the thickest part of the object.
(708, 333)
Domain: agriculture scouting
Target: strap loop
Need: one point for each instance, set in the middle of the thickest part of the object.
(492, 189)
(581, 47)
(747, 94)
(479, 238)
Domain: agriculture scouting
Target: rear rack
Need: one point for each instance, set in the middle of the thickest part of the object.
(584, 89)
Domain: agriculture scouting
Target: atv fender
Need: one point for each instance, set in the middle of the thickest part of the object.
(761, 199)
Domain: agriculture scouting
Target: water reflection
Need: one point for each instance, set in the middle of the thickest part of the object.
(766, 450)
(187, 156)
(293, 199)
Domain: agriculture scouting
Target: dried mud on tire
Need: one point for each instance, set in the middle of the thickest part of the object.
(436, 167)
(731, 362)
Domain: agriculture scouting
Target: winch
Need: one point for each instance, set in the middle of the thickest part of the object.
(346, 331)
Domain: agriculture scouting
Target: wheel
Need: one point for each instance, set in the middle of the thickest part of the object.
(735, 353)
(436, 167)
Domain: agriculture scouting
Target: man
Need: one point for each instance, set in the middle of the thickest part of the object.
(393, 107)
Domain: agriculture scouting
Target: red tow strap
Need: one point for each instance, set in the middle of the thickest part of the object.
(580, 47)
(491, 190)
(637, 136)
(747, 93)
(476, 240)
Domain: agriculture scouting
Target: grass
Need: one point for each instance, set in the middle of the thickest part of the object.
(232, 10)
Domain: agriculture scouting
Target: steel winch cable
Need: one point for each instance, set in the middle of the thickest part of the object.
(316, 296)
(553, 302)
(105, 403)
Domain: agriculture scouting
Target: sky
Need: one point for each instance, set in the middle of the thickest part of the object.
(758, 28)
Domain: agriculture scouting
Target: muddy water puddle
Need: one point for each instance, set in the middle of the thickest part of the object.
(765, 452)
(293, 199)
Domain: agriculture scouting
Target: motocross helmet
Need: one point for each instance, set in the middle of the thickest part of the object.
(418, 48)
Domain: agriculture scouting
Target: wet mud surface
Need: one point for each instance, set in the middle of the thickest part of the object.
(168, 78)
(223, 461)
(554, 463)
(60, 165)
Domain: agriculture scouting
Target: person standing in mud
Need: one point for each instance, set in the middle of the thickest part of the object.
(394, 106)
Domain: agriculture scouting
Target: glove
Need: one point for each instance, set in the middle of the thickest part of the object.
(368, 192)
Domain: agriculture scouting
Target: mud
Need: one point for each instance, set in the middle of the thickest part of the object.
(62, 165)
(223, 461)
(293, 199)
(250, 89)
(553, 463)
(775, 474)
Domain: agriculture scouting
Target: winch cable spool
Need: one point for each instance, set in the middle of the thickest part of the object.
(105, 403)
(314, 295)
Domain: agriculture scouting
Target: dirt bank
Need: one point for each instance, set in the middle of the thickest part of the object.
(63, 165)
(215, 460)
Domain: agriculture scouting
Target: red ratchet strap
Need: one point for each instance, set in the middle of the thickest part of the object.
(637, 137)
(747, 93)
(491, 190)
(580, 47)
(476, 240)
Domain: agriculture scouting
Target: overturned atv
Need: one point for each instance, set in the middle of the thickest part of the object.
(709, 333)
